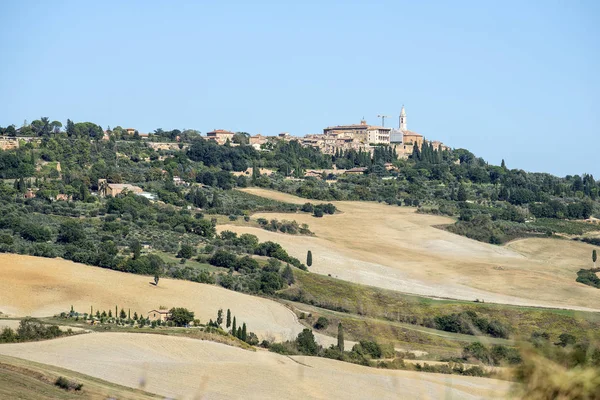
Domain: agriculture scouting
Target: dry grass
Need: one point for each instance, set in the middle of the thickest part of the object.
(542, 379)
(22, 379)
(186, 368)
(396, 248)
(42, 287)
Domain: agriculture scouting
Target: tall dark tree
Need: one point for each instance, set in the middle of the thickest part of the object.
(309, 258)
(340, 337)
(220, 317)
(228, 319)
(244, 333)
(594, 257)
(233, 327)
(136, 248)
(71, 128)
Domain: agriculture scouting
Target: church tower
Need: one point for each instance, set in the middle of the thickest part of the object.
(403, 119)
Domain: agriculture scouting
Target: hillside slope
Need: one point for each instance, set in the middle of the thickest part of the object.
(187, 368)
(396, 248)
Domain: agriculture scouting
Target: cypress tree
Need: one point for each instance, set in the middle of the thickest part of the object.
(228, 322)
(239, 333)
(340, 337)
(594, 257)
(244, 333)
(233, 327)
(309, 258)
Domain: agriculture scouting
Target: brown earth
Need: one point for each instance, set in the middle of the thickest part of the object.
(396, 248)
(185, 368)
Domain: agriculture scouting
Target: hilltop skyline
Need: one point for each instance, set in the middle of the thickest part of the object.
(511, 81)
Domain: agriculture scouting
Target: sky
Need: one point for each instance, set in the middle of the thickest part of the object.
(509, 80)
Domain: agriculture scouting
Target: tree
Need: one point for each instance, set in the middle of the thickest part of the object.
(135, 247)
(123, 314)
(244, 335)
(156, 279)
(233, 327)
(288, 275)
(181, 316)
(340, 337)
(220, 317)
(594, 257)
(70, 231)
(228, 320)
(306, 342)
(322, 323)
(187, 251)
(462, 193)
(309, 258)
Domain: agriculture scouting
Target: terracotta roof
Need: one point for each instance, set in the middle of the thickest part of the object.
(357, 169)
(411, 133)
(160, 311)
(221, 131)
(356, 126)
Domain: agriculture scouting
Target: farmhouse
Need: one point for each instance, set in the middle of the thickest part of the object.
(158, 315)
(113, 189)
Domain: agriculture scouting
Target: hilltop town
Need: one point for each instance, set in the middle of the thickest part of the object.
(357, 137)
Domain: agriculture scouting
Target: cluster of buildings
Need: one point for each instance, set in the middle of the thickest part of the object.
(356, 137)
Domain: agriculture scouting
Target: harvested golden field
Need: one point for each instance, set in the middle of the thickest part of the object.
(186, 368)
(43, 287)
(396, 248)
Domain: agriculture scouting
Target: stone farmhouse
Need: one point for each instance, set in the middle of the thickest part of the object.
(159, 315)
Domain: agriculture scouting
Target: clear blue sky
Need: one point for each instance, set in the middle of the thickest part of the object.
(504, 79)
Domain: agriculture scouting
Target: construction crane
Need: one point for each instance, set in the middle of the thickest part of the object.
(383, 117)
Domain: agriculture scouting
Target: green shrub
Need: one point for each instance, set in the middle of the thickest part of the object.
(322, 323)
(66, 384)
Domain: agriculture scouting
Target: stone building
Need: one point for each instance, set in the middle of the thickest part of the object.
(220, 136)
(363, 133)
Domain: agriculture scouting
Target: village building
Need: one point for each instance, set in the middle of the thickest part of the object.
(257, 140)
(159, 315)
(363, 133)
(114, 189)
(220, 136)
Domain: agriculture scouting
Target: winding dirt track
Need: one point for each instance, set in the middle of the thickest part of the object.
(396, 248)
(192, 369)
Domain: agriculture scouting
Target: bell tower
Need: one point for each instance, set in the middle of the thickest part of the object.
(403, 119)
